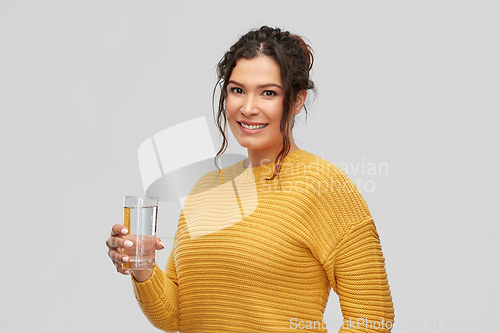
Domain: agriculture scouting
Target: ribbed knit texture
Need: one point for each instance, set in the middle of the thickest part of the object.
(251, 257)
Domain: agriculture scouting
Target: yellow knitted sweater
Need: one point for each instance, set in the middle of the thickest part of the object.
(251, 256)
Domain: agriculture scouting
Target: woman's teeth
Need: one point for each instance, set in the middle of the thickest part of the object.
(253, 126)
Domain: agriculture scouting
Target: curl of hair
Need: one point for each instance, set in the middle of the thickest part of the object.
(295, 60)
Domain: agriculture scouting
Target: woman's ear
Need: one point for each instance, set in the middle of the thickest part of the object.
(299, 102)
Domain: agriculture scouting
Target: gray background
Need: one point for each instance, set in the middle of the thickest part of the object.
(408, 86)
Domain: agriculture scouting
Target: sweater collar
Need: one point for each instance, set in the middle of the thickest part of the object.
(266, 170)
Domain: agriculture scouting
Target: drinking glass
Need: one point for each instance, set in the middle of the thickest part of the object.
(140, 218)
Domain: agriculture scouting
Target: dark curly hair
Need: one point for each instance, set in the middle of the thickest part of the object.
(294, 58)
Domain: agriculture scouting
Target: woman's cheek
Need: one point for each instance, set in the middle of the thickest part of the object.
(230, 106)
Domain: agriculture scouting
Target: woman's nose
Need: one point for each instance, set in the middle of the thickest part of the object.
(250, 106)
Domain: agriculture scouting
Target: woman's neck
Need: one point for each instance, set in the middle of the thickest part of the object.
(257, 157)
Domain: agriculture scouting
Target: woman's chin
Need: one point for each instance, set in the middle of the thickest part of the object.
(250, 145)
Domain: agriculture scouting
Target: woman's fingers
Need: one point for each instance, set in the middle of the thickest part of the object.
(159, 245)
(116, 255)
(116, 239)
(115, 244)
(121, 270)
(118, 259)
(118, 230)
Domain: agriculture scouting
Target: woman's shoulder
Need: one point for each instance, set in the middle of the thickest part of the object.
(314, 165)
(329, 185)
(323, 176)
(218, 177)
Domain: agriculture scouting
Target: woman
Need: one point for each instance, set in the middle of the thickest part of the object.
(300, 226)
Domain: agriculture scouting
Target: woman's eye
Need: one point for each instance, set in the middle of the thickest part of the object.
(237, 90)
(269, 93)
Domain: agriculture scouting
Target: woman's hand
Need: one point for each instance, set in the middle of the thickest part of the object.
(116, 243)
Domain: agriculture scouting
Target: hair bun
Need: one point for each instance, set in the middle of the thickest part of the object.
(307, 51)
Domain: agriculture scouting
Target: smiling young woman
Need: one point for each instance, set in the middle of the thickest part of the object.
(254, 108)
(251, 256)
(264, 58)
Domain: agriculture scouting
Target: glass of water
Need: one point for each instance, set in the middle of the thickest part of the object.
(140, 218)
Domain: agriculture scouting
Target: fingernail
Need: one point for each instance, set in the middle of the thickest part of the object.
(163, 246)
(125, 259)
(128, 243)
(127, 272)
(124, 231)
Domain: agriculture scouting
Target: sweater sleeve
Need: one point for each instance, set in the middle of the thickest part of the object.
(356, 269)
(348, 246)
(158, 297)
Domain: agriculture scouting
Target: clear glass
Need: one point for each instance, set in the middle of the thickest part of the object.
(140, 216)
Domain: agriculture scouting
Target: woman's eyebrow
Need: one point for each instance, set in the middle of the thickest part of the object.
(235, 83)
(269, 85)
(266, 85)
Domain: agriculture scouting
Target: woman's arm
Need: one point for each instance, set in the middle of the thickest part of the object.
(356, 269)
(158, 297)
(348, 246)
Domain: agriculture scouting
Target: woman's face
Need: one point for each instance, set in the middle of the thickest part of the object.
(255, 88)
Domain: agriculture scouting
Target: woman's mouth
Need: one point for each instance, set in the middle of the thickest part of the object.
(251, 128)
